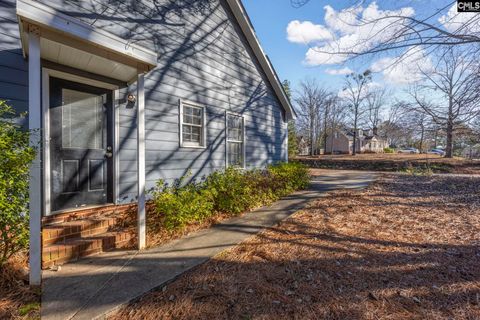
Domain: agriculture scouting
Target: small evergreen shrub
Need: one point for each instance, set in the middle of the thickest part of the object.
(182, 204)
(15, 158)
(388, 150)
(231, 191)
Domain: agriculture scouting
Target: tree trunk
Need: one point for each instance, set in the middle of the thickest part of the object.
(421, 139)
(311, 137)
(325, 130)
(354, 150)
(449, 147)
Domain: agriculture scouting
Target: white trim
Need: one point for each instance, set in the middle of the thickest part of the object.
(46, 74)
(227, 113)
(80, 79)
(43, 15)
(141, 215)
(203, 144)
(116, 146)
(286, 142)
(249, 33)
(35, 184)
(46, 141)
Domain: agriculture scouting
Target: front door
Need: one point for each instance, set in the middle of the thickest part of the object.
(80, 145)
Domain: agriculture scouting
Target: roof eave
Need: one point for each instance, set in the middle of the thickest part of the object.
(243, 20)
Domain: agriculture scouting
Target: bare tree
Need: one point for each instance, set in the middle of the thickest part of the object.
(449, 95)
(355, 94)
(334, 115)
(406, 31)
(416, 124)
(335, 120)
(376, 102)
(310, 99)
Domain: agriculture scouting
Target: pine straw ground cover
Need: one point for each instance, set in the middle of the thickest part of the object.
(17, 299)
(408, 247)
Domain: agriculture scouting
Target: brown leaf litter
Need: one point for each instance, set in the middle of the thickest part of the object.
(408, 247)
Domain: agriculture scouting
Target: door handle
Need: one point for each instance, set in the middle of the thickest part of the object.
(109, 153)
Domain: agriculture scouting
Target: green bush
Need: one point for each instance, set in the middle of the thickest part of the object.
(15, 158)
(231, 191)
(388, 150)
(181, 205)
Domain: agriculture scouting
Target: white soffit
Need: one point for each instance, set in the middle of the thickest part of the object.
(74, 43)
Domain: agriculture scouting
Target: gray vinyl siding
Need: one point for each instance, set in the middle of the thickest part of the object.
(13, 67)
(203, 58)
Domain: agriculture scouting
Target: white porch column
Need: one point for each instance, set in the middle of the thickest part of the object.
(141, 215)
(34, 124)
(286, 144)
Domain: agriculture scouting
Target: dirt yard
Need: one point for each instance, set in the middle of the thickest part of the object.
(408, 247)
(393, 162)
(383, 156)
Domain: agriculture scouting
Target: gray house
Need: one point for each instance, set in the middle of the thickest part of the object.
(368, 141)
(123, 93)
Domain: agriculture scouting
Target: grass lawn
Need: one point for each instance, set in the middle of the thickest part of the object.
(408, 247)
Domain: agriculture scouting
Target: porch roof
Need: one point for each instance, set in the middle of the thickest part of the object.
(74, 43)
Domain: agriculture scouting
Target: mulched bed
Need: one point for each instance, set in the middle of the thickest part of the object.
(17, 299)
(408, 247)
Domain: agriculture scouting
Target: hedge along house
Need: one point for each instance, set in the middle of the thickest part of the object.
(124, 93)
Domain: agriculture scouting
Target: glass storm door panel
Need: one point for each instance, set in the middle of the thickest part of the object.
(80, 145)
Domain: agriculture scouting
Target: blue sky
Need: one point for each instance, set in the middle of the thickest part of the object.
(271, 18)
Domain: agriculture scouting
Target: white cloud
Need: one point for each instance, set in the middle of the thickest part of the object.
(355, 29)
(405, 69)
(306, 32)
(464, 22)
(336, 72)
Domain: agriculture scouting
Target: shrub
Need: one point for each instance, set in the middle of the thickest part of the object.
(181, 205)
(388, 150)
(15, 158)
(231, 191)
(288, 177)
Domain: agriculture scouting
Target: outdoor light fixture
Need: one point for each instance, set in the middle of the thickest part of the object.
(131, 98)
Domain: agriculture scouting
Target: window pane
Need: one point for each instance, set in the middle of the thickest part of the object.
(235, 154)
(192, 129)
(192, 115)
(235, 127)
(192, 134)
(82, 120)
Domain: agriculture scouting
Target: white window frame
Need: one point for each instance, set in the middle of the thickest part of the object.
(203, 131)
(227, 113)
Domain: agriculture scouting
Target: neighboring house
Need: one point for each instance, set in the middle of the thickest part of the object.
(471, 152)
(125, 93)
(303, 146)
(368, 141)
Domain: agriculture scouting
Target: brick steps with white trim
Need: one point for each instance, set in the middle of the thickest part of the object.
(71, 240)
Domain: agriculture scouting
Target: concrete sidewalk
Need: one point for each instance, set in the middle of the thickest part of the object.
(90, 288)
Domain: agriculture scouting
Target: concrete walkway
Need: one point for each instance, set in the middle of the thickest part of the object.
(91, 288)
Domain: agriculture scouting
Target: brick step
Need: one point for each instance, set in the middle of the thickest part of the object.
(62, 232)
(74, 249)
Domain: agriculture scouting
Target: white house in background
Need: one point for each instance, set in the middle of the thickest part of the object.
(368, 141)
(303, 146)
